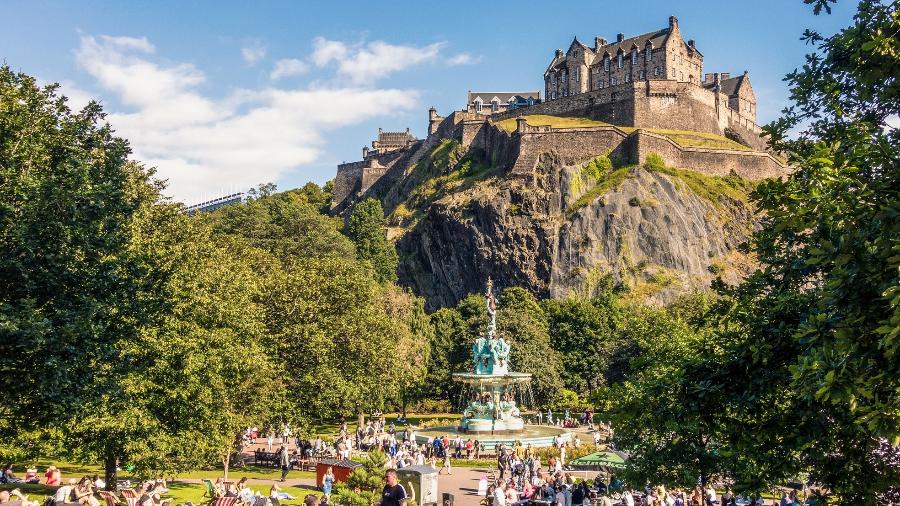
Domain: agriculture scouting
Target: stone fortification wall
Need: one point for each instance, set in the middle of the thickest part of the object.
(653, 104)
(573, 145)
(347, 182)
(518, 152)
(750, 165)
(356, 178)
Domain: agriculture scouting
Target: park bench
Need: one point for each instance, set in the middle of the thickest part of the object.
(109, 498)
(131, 497)
(224, 501)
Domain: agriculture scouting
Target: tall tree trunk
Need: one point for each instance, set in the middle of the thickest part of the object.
(225, 462)
(109, 471)
(403, 402)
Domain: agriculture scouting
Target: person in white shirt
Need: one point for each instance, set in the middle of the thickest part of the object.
(627, 498)
(711, 494)
(500, 494)
(63, 493)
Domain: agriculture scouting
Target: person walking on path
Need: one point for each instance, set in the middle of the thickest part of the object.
(446, 463)
(285, 462)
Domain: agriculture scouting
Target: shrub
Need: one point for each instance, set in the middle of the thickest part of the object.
(654, 161)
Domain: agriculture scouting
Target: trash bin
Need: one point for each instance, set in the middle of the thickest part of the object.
(448, 499)
(421, 483)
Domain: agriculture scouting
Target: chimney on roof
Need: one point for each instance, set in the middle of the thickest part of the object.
(691, 43)
(407, 129)
(620, 37)
(559, 53)
(673, 22)
(708, 78)
(726, 75)
(365, 152)
(599, 42)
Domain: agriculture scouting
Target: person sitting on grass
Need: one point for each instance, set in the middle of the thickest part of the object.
(84, 492)
(64, 493)
(244, 492)
(276, 493)
(14, 496)
(53, 476)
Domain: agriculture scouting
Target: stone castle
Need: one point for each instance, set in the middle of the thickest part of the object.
(639, 90)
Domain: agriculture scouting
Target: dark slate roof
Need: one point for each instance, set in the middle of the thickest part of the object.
(504, 97)
(395, 137)
(731, 85)
(657, 38)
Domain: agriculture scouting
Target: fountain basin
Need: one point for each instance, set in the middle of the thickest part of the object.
(538, 436)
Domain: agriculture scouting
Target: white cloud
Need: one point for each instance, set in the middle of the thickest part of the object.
(202, 144)
(288, 67)
(893, 121)
(366, 63)
(253, 52)
(463, 59)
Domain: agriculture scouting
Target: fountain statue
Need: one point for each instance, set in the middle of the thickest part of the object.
(492, 406)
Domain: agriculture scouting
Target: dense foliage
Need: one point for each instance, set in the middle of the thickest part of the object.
(120, 320)
(365, 228)
(793, 374)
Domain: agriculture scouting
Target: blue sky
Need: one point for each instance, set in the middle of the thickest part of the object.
(224, 95)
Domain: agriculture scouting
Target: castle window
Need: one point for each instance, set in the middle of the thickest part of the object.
(606, 63)
(655, 71)
(577, 73)
(614, 81)
(627, 77)
(620, 60)
(634, 57)
(603, 83)
(642, 73)
(552, 78)
(495, 105)
(554, 96)
(478, 104)
(648, 53)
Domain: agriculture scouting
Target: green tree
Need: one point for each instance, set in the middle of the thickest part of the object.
(804, 378)
(67, 198)
(662, 414)
(121, 336)
(523, 323)
(365, 228)
(192, 367)
(586, 334)
(363, 487)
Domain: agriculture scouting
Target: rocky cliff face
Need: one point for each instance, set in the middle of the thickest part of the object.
(654, 232)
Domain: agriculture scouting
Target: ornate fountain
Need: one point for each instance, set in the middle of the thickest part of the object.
(491, 414)
(492, 403)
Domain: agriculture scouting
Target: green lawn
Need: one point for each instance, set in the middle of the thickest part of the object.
(75, 470)
(552, 121)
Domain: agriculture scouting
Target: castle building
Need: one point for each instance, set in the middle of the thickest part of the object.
(387, 142)
(658, 55)
(637, 90)
(497, 102)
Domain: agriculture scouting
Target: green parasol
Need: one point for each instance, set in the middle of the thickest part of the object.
(600, 459)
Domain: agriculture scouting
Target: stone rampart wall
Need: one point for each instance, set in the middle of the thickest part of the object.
(518, 152)
(652, 104)
(750, 165)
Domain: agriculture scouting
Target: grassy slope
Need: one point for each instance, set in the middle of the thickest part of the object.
(684, 138)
